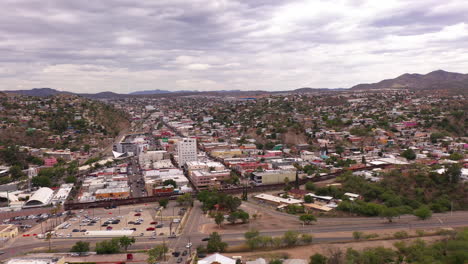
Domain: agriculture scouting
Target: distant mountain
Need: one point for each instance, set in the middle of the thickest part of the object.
(434, 80)
(312, 90)
(103, 95)
(439, 79)
(157, 91)
(38, 92)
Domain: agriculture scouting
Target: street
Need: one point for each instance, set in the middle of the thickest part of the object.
(191, 231)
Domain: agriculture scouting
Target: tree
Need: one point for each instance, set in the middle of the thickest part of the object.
(157, 253)
(80, 247)
(456, 156)
(232, 203)
(310, 186)
(251, 234)
(378, 255)
(357, 235)
(86, 148)
(339, 150)
(318, 259)
(275, 261)
(277, 241)
(70, 179)
(232, 218)
(409, 154)
(41, 181)
(423, 212)
(308, 199)
(215, 244)
(126, 241)
(291, 238)
(16, 172)
(307, 218)
(163, 202)
(243, 216)
(454, 173)
(108, 246)
(219, 219)
(389, 213)
(185, 199)
(170, 182)
(306, 239)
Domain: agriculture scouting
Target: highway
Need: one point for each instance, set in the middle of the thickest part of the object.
(192, 233)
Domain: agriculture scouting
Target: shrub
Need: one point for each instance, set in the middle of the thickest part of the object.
(400, 235)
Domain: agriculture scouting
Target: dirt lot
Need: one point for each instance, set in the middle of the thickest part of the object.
(304, 252)
(264, 221)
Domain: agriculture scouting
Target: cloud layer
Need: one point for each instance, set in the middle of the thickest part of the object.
(127, 45)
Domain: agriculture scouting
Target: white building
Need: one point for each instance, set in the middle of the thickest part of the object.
(217, 258)
(186, 150)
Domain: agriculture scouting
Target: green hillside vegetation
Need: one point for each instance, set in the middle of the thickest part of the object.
(404, 191)
(57, 122)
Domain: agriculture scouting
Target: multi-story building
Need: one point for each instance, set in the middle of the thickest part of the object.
(273, 176)
(186, 150)
(206, 179)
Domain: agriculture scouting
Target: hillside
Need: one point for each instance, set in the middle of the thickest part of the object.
(60, 121)
(434, 80)
(440, 80)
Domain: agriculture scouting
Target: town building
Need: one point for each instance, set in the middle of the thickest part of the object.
(273, 176)
(186, 150)
(37, 260)
(8, 231)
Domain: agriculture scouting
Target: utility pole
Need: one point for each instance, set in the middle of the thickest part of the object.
(164, 249)
(297, 180)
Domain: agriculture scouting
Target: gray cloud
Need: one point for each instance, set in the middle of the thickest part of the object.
(124, 45)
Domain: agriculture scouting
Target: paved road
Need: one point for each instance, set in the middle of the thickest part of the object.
(135, 179)
(191, 232)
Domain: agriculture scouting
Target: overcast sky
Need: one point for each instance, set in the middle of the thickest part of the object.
(125, 46)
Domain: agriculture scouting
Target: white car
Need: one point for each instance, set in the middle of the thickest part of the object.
(189, 245)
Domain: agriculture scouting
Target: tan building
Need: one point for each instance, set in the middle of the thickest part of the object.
(273, 176)
(8, 231)
(113, 193)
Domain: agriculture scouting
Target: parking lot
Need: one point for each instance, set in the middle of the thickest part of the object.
(148, 220)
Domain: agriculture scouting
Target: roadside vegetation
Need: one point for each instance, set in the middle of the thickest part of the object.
(416, 190)
(452, 249)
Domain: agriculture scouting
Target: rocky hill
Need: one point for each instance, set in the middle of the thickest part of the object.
(434, 80)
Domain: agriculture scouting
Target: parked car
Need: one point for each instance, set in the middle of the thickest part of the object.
(150, 229)
(134, 229)
(154, 223)
(179, 260)
(75, 230)
(159, 226)
(137, 214)
(109, 228)
(205, 239)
